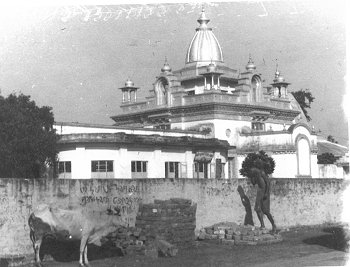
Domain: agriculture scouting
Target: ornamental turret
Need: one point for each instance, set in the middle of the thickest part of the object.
(279, 85)
(129, 92)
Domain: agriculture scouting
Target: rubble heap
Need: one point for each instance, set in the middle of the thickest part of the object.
(234, 234)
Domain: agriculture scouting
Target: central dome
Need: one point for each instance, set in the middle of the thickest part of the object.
(204, 47)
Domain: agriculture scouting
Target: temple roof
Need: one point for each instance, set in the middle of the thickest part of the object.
(204, 47)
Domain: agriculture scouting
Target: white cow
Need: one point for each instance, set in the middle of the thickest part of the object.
(71, 225)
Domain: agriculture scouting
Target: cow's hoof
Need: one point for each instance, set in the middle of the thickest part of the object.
(81, 264)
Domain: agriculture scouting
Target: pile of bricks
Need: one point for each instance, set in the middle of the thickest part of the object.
(172, 220)
(160, 228)
(233, 234)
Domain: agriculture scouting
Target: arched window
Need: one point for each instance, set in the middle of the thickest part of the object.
(303, 155)
(256, 87)
(161, 90)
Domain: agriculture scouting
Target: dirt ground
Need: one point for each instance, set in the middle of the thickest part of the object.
(303, 246)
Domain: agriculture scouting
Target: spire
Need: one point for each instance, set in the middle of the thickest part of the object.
(277, 73)
(203, 20)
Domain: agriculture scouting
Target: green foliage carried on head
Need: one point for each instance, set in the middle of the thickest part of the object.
(258, 160)
(27, 138)
(304, 99)
(326, 158)
(330, 138)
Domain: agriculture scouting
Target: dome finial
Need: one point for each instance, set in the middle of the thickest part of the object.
(203, 20)
(250, 66)
(277, 73)
(278, 76)
(166, 67)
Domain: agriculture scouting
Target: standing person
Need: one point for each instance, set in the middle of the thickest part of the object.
(262, 202)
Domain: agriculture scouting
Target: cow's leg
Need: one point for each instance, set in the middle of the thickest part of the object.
(37, 246)
(83, 245)
(86, 261)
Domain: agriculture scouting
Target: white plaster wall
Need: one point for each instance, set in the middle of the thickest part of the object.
(314, 167)
(267, 139)
(286, 165)
(234, 126)
(81, 160)
(330, 171)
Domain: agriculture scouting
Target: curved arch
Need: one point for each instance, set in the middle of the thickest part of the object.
(161, 88)
(294, 126)
(303, 148)
(255, 88)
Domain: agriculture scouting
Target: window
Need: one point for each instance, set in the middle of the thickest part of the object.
(162, 127)
(64, 169)
(192, 92)
(138, 169)
(172, 169)
(258, 126)
(102, 169)
(200, 170)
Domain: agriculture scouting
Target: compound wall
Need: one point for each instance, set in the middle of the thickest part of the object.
(293, 201)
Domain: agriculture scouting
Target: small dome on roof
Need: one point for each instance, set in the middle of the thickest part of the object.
(250, 66)
(280, 78)
(211, 67)
(129, 83)
(166, 67)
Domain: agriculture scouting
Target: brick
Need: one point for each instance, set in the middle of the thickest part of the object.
(229, 237)
(151, 252)
(242, 242)
(228, 242)
(236, 237)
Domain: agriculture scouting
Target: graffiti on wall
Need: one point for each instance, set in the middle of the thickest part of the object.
(121, 200)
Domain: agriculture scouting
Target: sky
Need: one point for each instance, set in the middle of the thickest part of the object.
(74, 58)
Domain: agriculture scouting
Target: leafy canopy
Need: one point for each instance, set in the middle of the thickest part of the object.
(27, 138)
(304, 99)
(258, 160)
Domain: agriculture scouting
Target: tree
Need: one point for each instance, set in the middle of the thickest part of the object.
(304, 98)
(330, 138)
(27, 138)
(258, 160)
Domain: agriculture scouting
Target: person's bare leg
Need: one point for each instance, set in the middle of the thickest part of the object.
(261, 219)
(269, 216)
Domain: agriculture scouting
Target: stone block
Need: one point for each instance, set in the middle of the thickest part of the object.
(228, 237)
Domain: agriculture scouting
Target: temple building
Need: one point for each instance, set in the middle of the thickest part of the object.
(199, 121)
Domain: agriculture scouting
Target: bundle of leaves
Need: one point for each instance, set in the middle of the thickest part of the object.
(260, 161)
(326, 158)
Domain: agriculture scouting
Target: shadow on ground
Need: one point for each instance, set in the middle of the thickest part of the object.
(63, 251)
(336, 237)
